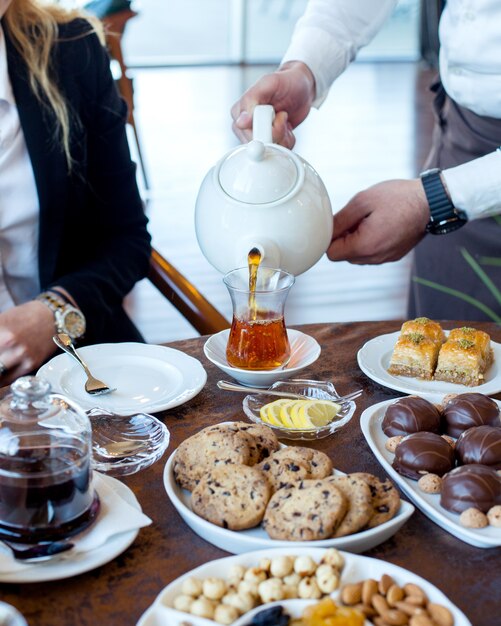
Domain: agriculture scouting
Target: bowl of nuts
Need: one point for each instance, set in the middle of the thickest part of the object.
(235, 589)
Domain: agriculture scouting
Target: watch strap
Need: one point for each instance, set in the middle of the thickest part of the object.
(62, 309)
(444, 217)
(59, 294)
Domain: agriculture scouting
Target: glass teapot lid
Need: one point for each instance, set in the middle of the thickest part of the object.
(31, 407)
(259, 173)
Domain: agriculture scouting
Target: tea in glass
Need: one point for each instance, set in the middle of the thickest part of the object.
(258, 337)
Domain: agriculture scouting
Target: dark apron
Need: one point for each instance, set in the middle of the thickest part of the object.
(459, 136)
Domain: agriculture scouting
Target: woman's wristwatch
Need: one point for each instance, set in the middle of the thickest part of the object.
(444, 217)
(68, 319)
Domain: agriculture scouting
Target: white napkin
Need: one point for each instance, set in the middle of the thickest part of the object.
(116, 516)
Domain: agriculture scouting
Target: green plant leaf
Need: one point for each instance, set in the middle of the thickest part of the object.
(490, 260)
(481, 274)
(462, 296)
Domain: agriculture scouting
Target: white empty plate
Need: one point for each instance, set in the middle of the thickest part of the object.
(304, 351)
(147, 378)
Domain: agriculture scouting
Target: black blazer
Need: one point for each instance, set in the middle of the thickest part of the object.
(93, 239)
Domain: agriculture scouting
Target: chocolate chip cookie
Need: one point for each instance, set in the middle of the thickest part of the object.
(209, 448)
(283, 471)
(359, 499)
(318, 463)
(233, 497)
(385, 498)
(304, 511)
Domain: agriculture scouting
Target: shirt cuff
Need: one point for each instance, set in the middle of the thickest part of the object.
(326, 59)
(475, 187)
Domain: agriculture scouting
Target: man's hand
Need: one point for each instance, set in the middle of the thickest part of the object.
(25, 339)
(380, 224)
(290, 90)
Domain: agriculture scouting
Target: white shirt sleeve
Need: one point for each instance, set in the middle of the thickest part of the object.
(475, 187)
(329, 34)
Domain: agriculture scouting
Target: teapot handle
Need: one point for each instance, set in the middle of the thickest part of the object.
(262, 122)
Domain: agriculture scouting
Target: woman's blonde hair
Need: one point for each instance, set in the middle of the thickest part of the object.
(33, 27)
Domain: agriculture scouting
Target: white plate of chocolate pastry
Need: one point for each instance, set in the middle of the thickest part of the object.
(274, 587)
(239, 489)
(446, 456)
(424, 358)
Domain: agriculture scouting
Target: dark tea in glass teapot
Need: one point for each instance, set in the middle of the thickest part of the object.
(46, 488)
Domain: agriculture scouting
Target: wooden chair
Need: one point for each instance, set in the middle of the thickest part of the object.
(114, 25)
(183, 295)
(173, 285)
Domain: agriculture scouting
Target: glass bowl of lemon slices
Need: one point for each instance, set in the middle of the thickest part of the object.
(316, 416)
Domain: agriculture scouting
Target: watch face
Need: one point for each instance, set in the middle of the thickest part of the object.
(74, 323)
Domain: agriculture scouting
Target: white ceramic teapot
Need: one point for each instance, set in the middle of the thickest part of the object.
(262, 195)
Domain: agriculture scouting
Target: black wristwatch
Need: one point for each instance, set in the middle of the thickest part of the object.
(444, 217)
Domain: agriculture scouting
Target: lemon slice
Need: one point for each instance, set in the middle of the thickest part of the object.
(298, 417)
(270, 413)
(299, 414)
(317, 413)
(285, 414)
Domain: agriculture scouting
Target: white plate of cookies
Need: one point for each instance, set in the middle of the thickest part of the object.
(374, 360)
(235, 589)
(425, 485)
(276, 496)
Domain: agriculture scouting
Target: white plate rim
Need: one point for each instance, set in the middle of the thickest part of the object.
(225, 538)
(68, 566)
(370, 360)
(427, 503)
(294, 335)
(373, 568)
(186, 365)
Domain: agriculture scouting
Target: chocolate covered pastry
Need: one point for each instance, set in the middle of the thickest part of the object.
(480, 444)
(423, 453)
(411, 415)
(467, 410)
(471, 486)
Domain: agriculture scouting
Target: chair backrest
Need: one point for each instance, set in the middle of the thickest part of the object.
(199, 312)
(182, 294)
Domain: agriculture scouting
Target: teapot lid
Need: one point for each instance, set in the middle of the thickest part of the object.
(259, 173)
(29, 407)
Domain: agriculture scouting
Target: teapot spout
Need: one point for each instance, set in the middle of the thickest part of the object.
(269, 250)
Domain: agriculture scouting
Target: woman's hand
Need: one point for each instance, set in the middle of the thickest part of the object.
(290, 90)
(26, 333)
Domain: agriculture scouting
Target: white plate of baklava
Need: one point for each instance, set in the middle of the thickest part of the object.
(423, 358)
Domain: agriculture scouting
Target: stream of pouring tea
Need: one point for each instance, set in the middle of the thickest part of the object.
(253, 259)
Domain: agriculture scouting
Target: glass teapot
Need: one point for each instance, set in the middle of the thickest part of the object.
(46, 488)
(262, 195)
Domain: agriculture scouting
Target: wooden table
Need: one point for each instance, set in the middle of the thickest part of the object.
(117, 593)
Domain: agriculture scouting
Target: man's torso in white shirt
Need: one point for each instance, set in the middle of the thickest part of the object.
(331, 32)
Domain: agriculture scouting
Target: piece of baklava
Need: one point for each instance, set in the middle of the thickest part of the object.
(481, 339)
(424, 326)
(462, 361)
(414, 355)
